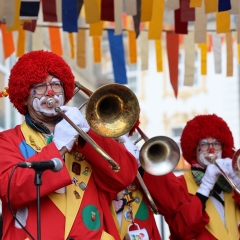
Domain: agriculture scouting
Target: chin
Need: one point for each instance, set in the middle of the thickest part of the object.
(49, 113)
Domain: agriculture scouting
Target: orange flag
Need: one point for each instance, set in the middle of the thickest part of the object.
(55, 40)
(8, 44)
(21, 42)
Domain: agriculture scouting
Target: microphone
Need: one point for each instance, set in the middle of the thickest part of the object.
(54, 164)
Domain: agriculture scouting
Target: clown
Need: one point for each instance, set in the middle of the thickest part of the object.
(73, 205)
(205, 139)
(200, 204)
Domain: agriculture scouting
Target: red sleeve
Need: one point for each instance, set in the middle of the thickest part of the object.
(106, 179)
(22, 187)
(236, 197)
(182, 211)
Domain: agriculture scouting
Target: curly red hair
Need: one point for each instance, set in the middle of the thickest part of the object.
(34, 67)
(204, 126)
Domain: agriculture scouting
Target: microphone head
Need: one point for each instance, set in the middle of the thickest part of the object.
(58, 164)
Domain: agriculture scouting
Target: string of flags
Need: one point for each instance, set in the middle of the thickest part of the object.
(176, 22)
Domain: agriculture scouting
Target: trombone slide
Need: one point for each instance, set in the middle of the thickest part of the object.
(114, 166)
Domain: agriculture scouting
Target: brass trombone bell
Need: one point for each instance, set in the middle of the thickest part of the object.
(159, 155)
(112, 110)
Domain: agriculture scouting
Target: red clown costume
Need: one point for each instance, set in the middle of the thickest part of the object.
(81, 211)
(189, 214)
(135, 211)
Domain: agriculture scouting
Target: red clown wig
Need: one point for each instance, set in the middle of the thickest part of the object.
(34, 67)
(201, 127)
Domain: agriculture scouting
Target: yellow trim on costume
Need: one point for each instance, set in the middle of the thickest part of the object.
(73, 203)
(124, 227)
(106, 236)
(67, 203)
(33, 138)
(216, 226)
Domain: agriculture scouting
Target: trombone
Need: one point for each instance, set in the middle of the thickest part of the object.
(158, 156)
(235, 167)
(112, 110)
(112, 100)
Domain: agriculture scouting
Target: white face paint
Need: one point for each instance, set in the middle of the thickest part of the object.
(202, 159)
(40, 104)
(203, 156)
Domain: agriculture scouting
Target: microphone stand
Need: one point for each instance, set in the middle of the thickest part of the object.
(38, 183)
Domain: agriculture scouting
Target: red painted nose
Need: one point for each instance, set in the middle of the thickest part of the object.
(50, 92)
(211, 150)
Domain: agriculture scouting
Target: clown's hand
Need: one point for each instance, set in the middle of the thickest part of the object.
(129, 146)
(64, 133)
(76, 116)
(226, 166)
(208, 181)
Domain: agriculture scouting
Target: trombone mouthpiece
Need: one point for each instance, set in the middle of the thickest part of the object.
(50, 102)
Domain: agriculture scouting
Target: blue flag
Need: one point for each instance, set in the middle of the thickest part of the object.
(224, 5)
(70, 15)
(118, 58)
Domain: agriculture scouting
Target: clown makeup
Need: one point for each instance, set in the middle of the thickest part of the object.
(39, 93)
(203, 150)
(40, 104)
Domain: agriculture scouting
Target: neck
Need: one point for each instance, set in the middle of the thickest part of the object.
(44, 124)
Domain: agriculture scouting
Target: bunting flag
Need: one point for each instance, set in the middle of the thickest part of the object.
(200, 25)
(211, 6)
(96, 49)
(30, 25)
(118, 16)
(144, 50)
(70, 15)
(234, 7)
(29, 9)
(155, 25)
(189, 48)
(223, 22)
(71, 42)
(172, 42)
(203, 48)
(130, 7)
(224, 5)
(92, 11)
(96, 29)
(55, 40)
(107, 10)
(146, 10)
(187, 13)
(180, 27)
(146, 19)
(81, 48)
(21, 42)
(217, 52)
(8, 43)
(229, 66)
(12, 11)
(173, 4)
(117, 54)
(2, 9)
(195, 3)
(49, 9)
(132, 47)
(137, 18)
(158, 47)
